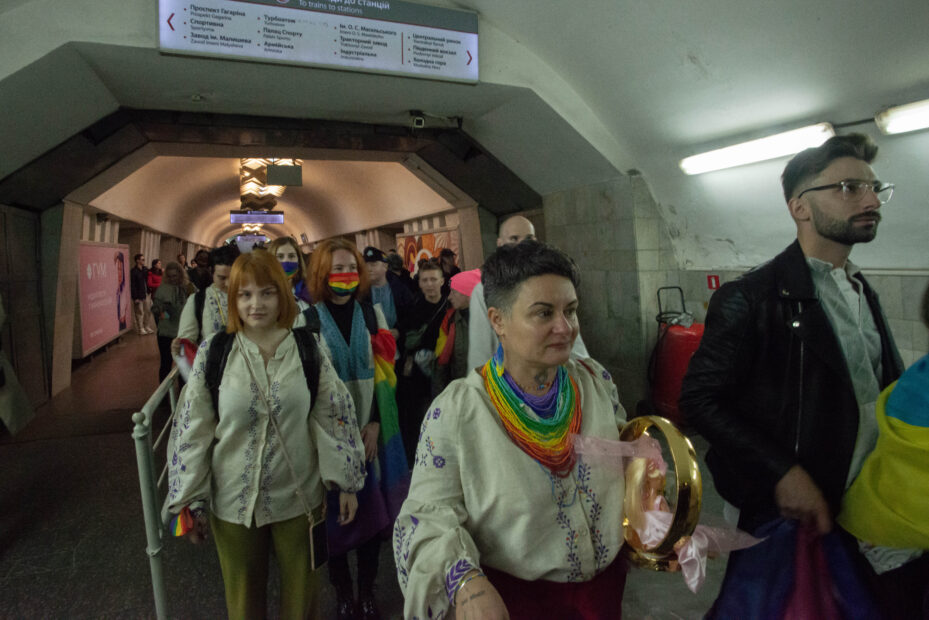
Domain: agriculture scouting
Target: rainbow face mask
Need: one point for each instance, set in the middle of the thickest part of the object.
(343, 284)
(290, 268)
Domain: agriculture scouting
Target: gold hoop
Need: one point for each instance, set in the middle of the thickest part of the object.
(689, 491)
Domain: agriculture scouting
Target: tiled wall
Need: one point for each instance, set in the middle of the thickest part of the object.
(596, 225)
(621, 243)
(901, 294)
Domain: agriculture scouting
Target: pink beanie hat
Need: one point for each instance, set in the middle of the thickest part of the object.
(465, 281)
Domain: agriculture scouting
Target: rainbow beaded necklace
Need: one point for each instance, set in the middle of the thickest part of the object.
(545, 440)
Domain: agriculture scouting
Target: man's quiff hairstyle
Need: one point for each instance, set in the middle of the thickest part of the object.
(224, 255)
(260, 267)
(321, 265)
(810, 162)
(510, 265)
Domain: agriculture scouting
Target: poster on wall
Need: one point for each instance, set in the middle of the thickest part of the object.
(425, 245)
(103, 291)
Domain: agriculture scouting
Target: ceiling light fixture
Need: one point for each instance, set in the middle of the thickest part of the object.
(778, 145)
(904, 118)
(254, 191)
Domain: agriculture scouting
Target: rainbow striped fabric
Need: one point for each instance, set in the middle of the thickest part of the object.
(395, 474)
(343, 283)
(182, 522)
(445, 343)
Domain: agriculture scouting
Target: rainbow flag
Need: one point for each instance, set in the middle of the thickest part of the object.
(445, 343)
(395, 474)
(182, 522)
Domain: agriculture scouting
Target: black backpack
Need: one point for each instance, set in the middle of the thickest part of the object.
(221, 345)
(199, 302)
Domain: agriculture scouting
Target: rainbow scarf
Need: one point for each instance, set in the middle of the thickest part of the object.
(445, 343)
(546, 440)
(887, 503)
(343, 284)
(395, 474)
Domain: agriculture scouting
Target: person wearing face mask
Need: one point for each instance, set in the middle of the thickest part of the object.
(287, 252)
(420, 327)
(362, 350)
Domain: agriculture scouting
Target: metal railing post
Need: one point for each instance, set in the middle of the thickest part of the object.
(153, 527)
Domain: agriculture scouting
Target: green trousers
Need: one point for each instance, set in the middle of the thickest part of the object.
(243, 556)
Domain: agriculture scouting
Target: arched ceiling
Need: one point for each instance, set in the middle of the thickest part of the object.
(570, 94)
(176, 190)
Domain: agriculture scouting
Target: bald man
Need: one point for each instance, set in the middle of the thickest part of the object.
(482, 340)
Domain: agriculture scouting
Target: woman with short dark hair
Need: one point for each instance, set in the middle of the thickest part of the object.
(503, 518)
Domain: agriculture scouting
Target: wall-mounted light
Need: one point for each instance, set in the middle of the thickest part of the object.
(903, 118)
(771, 147)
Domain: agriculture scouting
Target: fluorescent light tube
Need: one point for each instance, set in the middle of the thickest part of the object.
(901, 119)
(778, 145)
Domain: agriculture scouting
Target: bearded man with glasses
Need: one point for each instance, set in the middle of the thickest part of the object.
(794, 356)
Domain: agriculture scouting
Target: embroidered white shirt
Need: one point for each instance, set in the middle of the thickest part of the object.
(476, 499)
(234, 460)
(215, 313)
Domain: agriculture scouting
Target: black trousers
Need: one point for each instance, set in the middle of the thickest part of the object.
(164, 350)
(341, 577)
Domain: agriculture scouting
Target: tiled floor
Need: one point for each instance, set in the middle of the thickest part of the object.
(72, 543)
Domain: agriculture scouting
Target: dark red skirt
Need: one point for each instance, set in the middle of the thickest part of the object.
(601, 598)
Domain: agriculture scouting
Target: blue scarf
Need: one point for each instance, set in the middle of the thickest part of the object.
(352, 362)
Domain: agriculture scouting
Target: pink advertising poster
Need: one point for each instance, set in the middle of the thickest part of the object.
(103, 288)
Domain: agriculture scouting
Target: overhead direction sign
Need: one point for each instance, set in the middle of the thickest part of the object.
(381, 36)
(256, 217)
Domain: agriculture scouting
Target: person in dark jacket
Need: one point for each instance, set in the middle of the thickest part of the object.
(200, 274)
(138, 288)
(796, 352)
(387, 289)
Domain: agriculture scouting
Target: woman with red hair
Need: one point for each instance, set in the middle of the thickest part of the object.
(264, 440)
(362, 350)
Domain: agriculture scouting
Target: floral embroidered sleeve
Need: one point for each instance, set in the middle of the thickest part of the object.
(187, 326)
(334, 430)
(192, 433)
(432, 548)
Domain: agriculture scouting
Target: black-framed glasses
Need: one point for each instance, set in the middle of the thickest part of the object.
(853, 191)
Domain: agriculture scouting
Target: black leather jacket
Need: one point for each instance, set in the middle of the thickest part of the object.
(769, 387)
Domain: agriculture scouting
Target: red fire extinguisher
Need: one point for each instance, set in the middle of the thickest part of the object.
(678, 339)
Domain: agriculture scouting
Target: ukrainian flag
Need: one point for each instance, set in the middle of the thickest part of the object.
(888, 503)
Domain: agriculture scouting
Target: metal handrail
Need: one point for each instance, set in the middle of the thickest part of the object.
(155, 526)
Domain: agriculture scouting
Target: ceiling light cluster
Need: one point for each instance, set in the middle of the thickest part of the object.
(900, 119)
(253, 188)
